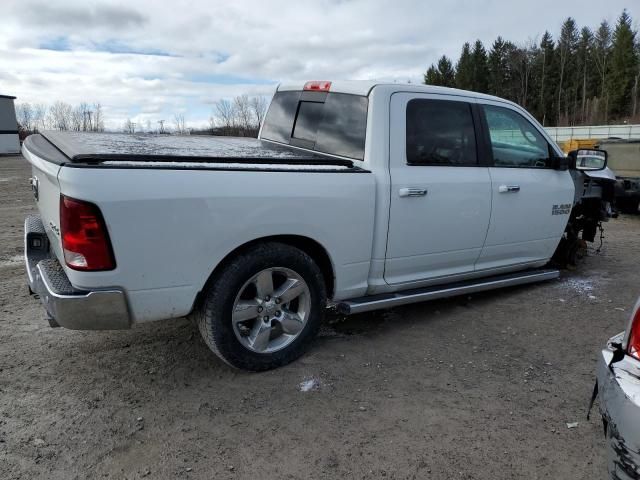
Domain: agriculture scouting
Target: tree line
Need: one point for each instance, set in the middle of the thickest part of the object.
(240, 117)
(84, 117)
(585, 77)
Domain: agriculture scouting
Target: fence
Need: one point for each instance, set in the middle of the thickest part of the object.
(626, 132)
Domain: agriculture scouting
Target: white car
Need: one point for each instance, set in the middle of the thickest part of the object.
(361, 194)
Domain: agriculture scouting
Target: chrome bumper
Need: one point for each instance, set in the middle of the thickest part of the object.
(66, 305)
(619, 392)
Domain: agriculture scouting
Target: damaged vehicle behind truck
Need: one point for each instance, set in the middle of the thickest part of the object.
(594, 204)
(362, 195)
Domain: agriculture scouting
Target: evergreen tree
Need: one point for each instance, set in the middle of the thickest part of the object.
(567, 46)
(601, 53)
(586, 76)
(546, 71)
(497, 68)
(480, 68)
(464, 69)
(584, 80)
(448, 74)
(442, 74)
(432, 77)
(624, 64)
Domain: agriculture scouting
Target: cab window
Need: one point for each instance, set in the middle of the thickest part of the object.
(515, 142)
(440, 132)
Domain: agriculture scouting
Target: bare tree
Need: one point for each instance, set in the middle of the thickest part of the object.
(98, 120)
(24, 113)
(259, 107)
(129, 126)
(60, 116)
(78, 119)
(225, 114)
(178, 120)
(84, 111)
(243, 113)
(241, 116)
(39, 116)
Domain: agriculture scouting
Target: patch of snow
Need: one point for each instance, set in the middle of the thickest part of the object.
(309, 384)
(227, 166)
(176, 145)
(12, 261)
(580, 285)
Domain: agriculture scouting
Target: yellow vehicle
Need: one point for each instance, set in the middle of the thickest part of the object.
(577, 144)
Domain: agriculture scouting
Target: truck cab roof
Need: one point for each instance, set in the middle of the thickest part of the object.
(364, 88)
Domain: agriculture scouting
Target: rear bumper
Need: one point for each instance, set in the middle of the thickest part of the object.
(66, 305)
(619, 392)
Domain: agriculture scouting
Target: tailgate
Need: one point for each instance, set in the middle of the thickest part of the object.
(46, 191)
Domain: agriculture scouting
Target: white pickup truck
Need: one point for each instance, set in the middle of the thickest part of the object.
(360, 195)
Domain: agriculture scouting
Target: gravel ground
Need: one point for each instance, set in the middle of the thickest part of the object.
(471, 387)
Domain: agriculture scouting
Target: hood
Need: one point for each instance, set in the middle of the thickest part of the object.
(605, 174)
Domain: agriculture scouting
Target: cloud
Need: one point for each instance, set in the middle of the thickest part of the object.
(147, 59)
(56, 15)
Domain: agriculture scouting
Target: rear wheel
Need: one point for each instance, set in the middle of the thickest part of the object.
(263, 309)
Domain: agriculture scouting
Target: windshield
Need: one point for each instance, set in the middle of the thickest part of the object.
(333, 123)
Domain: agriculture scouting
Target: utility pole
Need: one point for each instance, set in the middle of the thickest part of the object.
(161, 122)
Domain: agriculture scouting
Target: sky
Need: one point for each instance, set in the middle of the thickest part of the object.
(150, 60)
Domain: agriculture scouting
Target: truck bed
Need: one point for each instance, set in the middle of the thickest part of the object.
(175, 151)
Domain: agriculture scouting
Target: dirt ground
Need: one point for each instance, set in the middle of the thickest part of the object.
(473, 387)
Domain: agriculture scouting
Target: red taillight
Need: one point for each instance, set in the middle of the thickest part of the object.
(318, 86)
(633, 344)
(85, 240)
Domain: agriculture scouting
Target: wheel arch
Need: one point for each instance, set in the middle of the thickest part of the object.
(308, 245)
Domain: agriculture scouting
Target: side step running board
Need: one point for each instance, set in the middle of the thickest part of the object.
(375, 302)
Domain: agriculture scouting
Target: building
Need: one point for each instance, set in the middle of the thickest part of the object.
(9, 142)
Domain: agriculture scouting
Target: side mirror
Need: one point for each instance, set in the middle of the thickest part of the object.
(588, 159)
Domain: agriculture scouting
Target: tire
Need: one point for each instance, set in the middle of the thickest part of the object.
(256, 344)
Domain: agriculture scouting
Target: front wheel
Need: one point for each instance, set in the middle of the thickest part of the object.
(263, 309)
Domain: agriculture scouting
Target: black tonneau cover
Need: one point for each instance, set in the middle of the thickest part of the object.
(130, 150)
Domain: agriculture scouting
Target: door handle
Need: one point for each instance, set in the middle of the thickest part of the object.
(508, 188)
(412, 192)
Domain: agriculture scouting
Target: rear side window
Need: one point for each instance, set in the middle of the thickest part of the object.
(333, 123)
(515, 142)
(279, 120)
(440, 132)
